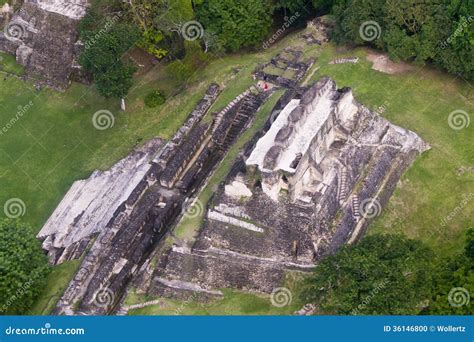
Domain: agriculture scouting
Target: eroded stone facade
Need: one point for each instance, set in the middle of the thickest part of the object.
(161, 191)
(322, 169)
(43, 36)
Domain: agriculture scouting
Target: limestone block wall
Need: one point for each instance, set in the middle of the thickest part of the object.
(42, 35)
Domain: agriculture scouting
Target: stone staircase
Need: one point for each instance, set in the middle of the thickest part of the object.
(231, 127)
(247, 109)
(355, 208)
(221, 115)
(342, 187)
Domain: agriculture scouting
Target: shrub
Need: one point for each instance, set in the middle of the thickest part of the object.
(23, 267)
(154, 99)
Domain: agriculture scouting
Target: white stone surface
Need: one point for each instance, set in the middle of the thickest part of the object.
(90, 204)
(313, 123)
(316, 115)
(237, 189)
(214, 215)
(267, 141)
(74, 9)
(232, 211)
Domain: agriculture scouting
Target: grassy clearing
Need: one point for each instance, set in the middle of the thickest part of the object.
(55, 285)
(234, 303)
(8, 64)
(421, 101)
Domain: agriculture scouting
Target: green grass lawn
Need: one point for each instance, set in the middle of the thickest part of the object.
(234, 302)
(8, 64)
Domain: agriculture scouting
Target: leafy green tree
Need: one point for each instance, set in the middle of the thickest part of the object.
(154, 99)
(323, 6)
(383, 274)
(195, 60)
(453, 283)
(105, 45)
(160, 22)
(105, 48)
(23, 267)
(436, 31)
(352, 14)
(469, 249)
(303, 7)
(236, 23)
(116, 81)
(456, 37)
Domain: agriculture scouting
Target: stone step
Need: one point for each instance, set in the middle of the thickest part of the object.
(215, 268)
(343, 186)
(355, 207)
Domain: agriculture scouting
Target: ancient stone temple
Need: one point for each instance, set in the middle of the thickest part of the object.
(115, 218)
(43, 36)
(323, 167)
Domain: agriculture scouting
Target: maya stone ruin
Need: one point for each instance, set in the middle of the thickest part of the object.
(312, 181)
(309, 182)
(321, 168)
(43, 36)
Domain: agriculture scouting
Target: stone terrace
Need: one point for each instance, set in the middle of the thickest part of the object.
(250, 237)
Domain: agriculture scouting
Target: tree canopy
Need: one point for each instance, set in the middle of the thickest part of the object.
(453, 283)
(236, 23)
(383, 274)
(23, 267)
(438, 31)
(105, 44)
(392, 275)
